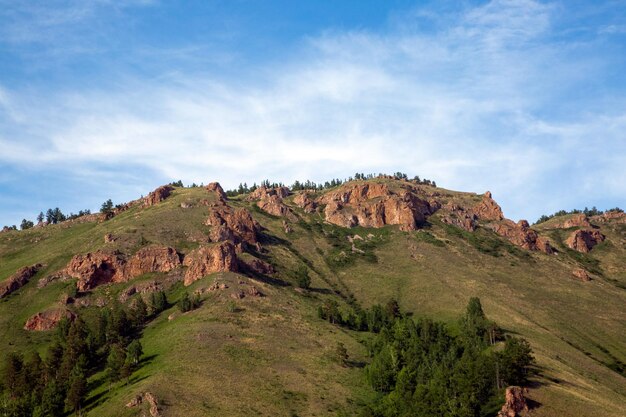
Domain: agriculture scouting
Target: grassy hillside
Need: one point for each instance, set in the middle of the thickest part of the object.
(272, 355)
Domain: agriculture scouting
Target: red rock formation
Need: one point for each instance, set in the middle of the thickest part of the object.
(260, 267)
(48, 320)
(18, 279)
(578, 220)
(514, 403)
(149, 398)
(158, 195)
(232, 225)
(305, 202)
(217, 188)
(488, 209)
(618, 217)
(460, 217)
(374, 205)
(270, 200)
(209, 259)
(522, 235)
(264, 192)
(581, 274)
(152, 259)
(95, 269)
(584, 240)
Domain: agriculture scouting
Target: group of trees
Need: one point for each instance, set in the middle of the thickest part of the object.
(57, 383)
(593, 211)
(420, 368)
(188, 303)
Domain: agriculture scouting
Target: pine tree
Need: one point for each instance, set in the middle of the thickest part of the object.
(134, 352)
(77, 389)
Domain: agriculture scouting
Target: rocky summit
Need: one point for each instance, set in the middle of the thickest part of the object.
(378, 296)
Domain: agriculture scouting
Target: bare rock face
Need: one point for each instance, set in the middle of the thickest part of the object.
(18, 279)
(158, 195)
(95, 269)
(305, 202)
(614, 216)
(488, 209)
(152, 259)
(581, 274)
(209, 259)
(236, 226)
(520, 234)
(148, 398)
(260, 267)
(48, 319)
(514, 402)
(265, 192)
(584, 240)
(460, 217)
(217, 188)
(270, 200)
(579, 220)
(374, 205)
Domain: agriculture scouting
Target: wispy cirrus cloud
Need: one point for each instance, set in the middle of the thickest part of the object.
(484, 101)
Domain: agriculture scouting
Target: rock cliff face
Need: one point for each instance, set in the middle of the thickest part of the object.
(578, 220)
(158, 195)
(233, 225)
(305, 202)
(618, 217)
(217, 188)
(520, 234)
(514, 403)
(18, 280)
(270, 200)
(48, 319)
(374, 205)
(152, 259)
(210, 259)
(488, 209)
(584, 240)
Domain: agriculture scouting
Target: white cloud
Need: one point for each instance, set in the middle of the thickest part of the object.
(469, 106)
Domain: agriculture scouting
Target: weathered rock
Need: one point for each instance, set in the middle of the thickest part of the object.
(158, 195)
(48, 320)
(108, 238)
(274, 205)
(95, 269)
(374, 205)
(286, 227)
(514, 402)
(578, 220)
(217, 188)
(488, 209)
(209, 259)
(18, 279)
(141, 288)
(581, 274)
(152, 259)
(260, 267)
(262, 193)
(520, 234)
(584, 240)
(149, 398)
(254, 292)
(613, 216)
(459, 217)
(305, 202)
(236, 226)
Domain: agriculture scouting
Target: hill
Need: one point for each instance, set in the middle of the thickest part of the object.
(255, 343)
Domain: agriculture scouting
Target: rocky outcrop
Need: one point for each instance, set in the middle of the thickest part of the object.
(514, 403)
(270, 200)
(48, 320)
(581, 274)
(460, 217)
(148, 398)
(158, 195)
(578, 220)
(374, 205)
(232, 225)
(260, 267)
(18, 279)
(584, 240)
(152, 259)
(109, 238)
(262, 193)
(217, 188)
(520, 234)
(97, 268)
(614, 216)
(209, 259)
(488, 209)
(305, 202)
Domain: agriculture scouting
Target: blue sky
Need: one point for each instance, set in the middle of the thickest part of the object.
(109, 99)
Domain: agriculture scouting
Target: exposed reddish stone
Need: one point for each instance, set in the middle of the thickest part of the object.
(232, 225)
(95, 269)
(514, 402)
(522, 235)
(158, 195)
(209, 259)
(260, 267)
(274, 205)
(265, 192)
(584, 240)
(149, 398)
(305, 202)
(618, 217)
(217, 188)
(488, 209)
(48, 320)
(152, 259)
(460, 217)
(18, 279)
(581, 274)
(578, 220)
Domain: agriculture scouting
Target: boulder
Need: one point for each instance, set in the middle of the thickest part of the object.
(18, 279)
(152, 259)
(578, 220)
(614, 216)
(265, 192)
(305, 202)
(158, 195)
(459, 217)
(108, 238)
(274, 205)
(514, 402)
(236, 226)
(584, 240)
(260, 267)
(488, 209)
(217, 188)
(209, 259)
(150, 399)
(581, 274)
(520, 234)
(48, 320)
(97, 268)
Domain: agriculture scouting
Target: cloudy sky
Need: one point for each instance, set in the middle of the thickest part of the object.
(109, 99)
